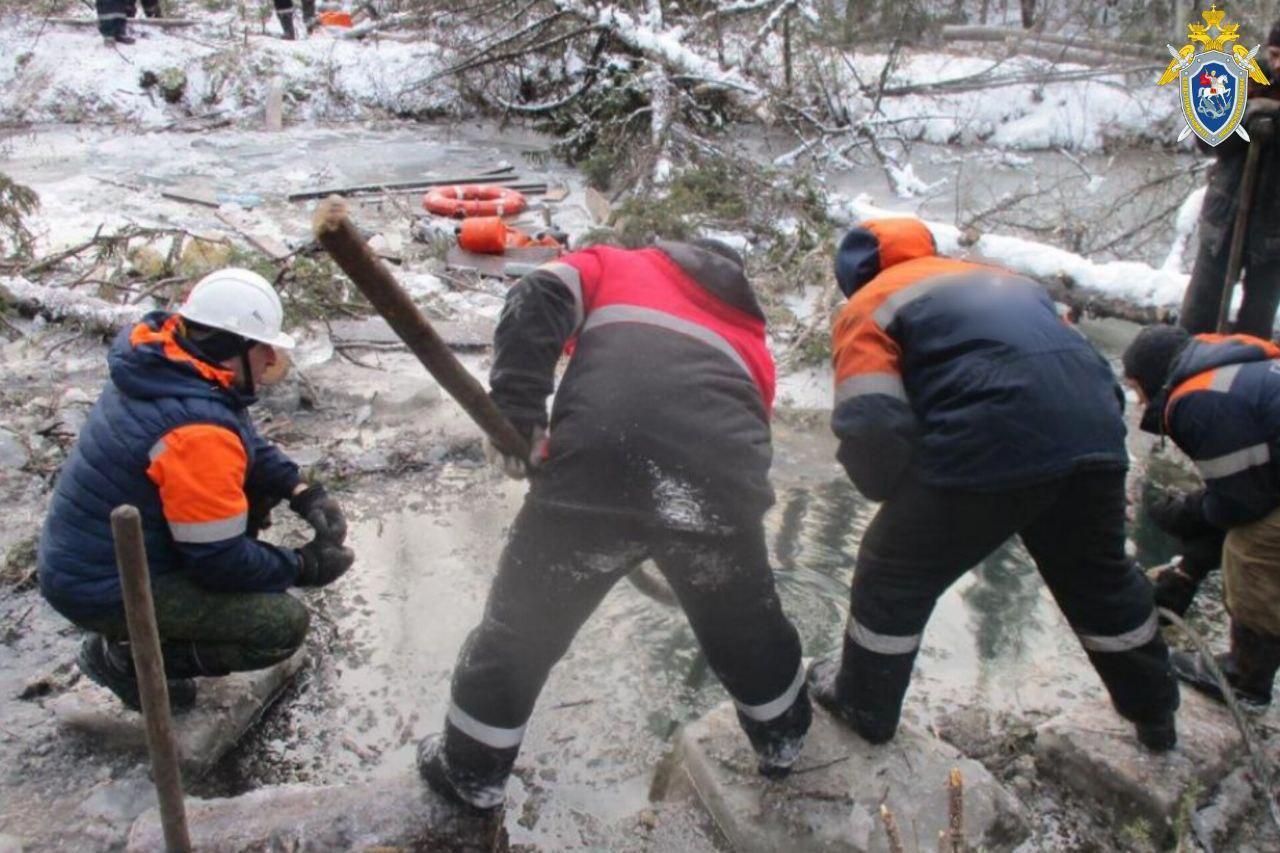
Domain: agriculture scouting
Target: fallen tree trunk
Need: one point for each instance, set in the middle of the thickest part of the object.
(1085, 302)
(163, 23)
(61, 305)
(957, 32)
(673, 56)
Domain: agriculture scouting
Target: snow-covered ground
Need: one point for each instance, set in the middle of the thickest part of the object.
(55, 73)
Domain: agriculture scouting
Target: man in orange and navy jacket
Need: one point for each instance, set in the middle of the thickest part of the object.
(171, 435)
(967, 406)
(1218, 398)
(658, 447)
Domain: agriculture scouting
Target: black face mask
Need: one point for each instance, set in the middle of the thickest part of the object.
(248, 383)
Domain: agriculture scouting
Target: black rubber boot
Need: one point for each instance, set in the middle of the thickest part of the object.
(1160, 736)
(309, 15)
(777, 743)
(1250, 668)
(434, 769)
(286, 24)
(823, 679)
(110, 665)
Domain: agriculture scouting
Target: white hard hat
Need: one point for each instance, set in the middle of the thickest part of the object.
(241, 302)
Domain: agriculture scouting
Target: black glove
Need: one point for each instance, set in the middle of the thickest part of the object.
(259, 515)
(322, 563)
(1180, 515)
(322, 513)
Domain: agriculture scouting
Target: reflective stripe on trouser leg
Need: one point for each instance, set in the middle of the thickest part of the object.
(881, 644)
(1124, 641)
(494, 737)
(774, 708)
(111, 17)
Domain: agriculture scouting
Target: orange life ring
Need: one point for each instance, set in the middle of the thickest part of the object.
(472, 200)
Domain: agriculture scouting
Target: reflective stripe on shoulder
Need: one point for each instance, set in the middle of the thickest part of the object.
(883, 644)
(156, 449)
(1224, 377)
(775, 708)
(491, 736)
(572, 279)
(889, 384)
(652, 317)
(898, 300)
(1127, 641)
(1234, 463)
(203, 532)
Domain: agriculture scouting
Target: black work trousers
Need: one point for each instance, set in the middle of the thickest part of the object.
(556, 569)
(1203, 298)
(113, 15)
(284, 7)
(924, 539)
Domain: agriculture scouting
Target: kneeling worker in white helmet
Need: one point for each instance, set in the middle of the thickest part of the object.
(171, 435)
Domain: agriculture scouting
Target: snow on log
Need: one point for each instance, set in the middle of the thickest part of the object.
(665, 48)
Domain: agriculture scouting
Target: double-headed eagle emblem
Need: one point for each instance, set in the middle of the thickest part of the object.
(1214, 83)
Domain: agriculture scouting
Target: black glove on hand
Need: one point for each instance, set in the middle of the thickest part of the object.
(322, 563)
(1180, 515)
(322, 513)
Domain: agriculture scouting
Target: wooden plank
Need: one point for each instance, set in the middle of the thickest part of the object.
(556, 194)
(598, 206)
(495, 266)
(163, 23)
(422, 183)
(269, 246)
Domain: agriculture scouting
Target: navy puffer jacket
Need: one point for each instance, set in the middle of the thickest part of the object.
(170, 436)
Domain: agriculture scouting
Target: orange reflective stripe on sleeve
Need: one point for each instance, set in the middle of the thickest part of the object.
(200, 472)
(860, 350)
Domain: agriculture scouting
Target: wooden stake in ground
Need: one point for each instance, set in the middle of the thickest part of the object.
(891, 830)
(144, 640)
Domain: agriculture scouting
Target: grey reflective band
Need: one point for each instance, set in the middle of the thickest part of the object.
(649, 316)
(1127, 641)
(1234, 463)
(1223, 378)
(113, 16)
(571, 279)
(871, 383)
(896, 302)
(490, 736)
(202, 532)
(775, 708)
(882, 644)
(156, 449)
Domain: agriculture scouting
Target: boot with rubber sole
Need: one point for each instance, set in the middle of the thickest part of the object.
(110, 664)
(472, 794)
(1250, 668)
(823, 680)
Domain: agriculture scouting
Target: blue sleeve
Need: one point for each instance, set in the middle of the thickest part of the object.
(273, 475)
(240, 564)
(1231, 449)
(878, 435)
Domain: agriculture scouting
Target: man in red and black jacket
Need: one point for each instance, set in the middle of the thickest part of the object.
(659, 447)
(1261, 271)
(967, 406)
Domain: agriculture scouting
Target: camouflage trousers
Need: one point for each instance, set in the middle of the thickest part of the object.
(215, 633)
(1251, 574)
